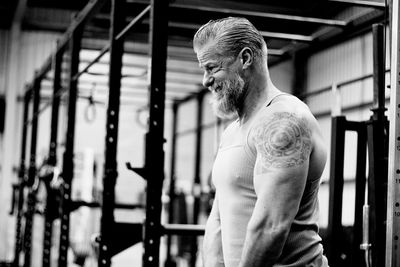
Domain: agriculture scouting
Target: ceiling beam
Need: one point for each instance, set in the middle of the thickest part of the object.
(362, 3)
(326, 22)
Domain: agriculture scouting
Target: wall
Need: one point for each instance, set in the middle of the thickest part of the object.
(349, 60)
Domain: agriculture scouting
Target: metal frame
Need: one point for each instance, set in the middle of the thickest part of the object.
(32, 179)
(335, 229)
(68, 158)
(110, 166)
(196, 191)
(154, 154)
(21, 182)
(51, 209)
(393, 211)
(175, 108)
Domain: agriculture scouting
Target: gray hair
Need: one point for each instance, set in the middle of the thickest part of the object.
(230, 36)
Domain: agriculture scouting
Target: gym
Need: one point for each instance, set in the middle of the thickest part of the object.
(108, 140)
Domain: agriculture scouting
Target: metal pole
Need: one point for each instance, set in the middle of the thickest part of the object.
(175, 106)
(197, 172)
(335, 230)
(32, 177)
(110, 167)
(21, 183)
(68, 160)
(51, 203)
(393, 200)
(154, 157)
(377, 151)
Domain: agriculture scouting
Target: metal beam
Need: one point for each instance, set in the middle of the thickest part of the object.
(21, 182)
(267, 34)
(154, 154)
(68, 162)
(107, 222)
(269, 15)
(239, 12)
(362, 3)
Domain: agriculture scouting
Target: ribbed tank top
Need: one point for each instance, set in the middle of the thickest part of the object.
(233, 178)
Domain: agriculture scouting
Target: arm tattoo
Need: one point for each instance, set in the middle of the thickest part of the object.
(282, 140)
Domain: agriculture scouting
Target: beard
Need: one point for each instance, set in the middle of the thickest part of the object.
(229, 97)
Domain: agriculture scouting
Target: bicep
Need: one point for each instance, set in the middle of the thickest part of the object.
(283, 146)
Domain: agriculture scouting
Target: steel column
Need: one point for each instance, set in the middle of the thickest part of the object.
(51, 203)
(154, 154)
(335, 229)
(377, 148)
(175, 106)
(21, 182)
(68, 158)
(197, 172)
(393, 200)
(110, 167)
(32, 179)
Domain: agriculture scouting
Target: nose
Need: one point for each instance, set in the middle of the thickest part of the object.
(208, 80)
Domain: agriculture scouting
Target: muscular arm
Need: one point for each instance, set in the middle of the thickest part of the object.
(212, 243)
(283, 145)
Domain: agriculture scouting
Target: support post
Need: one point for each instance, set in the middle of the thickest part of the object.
(335, 230)
(377, 148)
(51, 202)
(21, 182)
(154, 154)
(197, 172)
(111, 142)
(169, 261)
(68, 158)
(32, 179)
(393, 200)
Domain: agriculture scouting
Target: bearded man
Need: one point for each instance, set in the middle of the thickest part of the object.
(269, 164)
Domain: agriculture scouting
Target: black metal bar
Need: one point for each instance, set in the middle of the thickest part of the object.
(51, 202)
(362, 3)
(68, 164)
(81, 18)
(377, 183)
(175, 106)
(197, 172)
(183, 229)
(346, 109)
(29, 217)
(110, 166)
(154, 154)
(378, 152)
(360, 181)
(21, 183)
(94, 61)
(116, 37)
(335, 229)
(379, 70)
(133, 22)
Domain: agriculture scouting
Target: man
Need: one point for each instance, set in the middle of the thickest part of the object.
(270, 159)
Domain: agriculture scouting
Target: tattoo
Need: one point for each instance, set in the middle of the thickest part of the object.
(283, 141)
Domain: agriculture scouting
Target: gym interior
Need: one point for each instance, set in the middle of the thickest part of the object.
(107, 140)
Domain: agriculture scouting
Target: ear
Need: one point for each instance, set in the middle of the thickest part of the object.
(246, 57)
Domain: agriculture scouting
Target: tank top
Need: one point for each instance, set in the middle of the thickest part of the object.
(232, 176)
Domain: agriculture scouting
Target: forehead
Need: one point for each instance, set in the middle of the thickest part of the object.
(207, 52)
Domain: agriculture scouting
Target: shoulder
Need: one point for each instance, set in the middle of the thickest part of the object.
(284, 130)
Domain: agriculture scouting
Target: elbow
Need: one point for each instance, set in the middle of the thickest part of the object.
(277, 232)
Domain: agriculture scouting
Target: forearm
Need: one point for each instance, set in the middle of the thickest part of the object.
(212, 252)
(262, 247)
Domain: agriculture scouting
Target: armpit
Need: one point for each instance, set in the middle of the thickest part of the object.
(283, 140)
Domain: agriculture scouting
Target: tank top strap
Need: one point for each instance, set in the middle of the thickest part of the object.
(269, 102)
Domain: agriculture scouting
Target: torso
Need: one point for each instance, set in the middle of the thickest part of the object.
(233, 179)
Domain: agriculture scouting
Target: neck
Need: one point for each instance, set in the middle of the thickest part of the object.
(260, 90)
